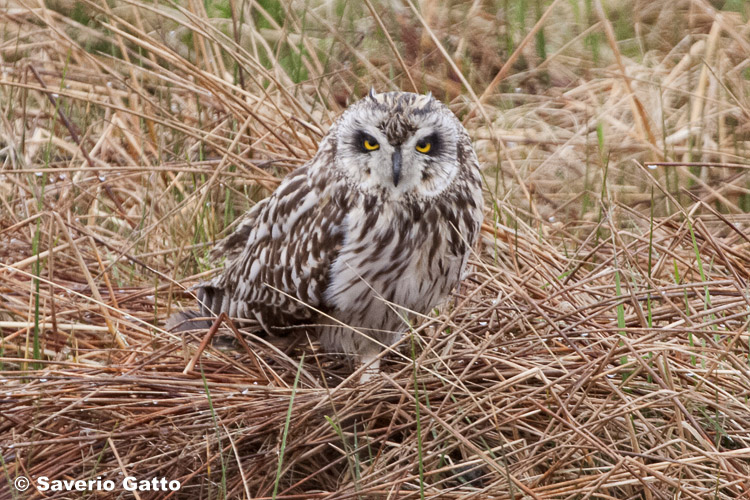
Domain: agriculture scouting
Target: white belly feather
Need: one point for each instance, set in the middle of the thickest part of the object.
(376, 288)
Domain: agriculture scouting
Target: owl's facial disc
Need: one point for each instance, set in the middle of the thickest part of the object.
(401, 146)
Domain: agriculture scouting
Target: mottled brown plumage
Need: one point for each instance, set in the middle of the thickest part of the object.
(376, 227)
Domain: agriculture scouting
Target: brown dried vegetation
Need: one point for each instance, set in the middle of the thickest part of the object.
(599, 349)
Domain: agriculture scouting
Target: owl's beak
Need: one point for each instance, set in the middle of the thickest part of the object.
(396, 158)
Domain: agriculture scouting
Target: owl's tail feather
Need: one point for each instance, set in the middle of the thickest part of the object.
(187, 320)
(210, 299)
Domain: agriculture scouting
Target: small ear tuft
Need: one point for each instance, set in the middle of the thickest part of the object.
(372, 93)
(429, 94)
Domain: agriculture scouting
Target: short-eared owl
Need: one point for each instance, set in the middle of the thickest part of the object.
(376, 227)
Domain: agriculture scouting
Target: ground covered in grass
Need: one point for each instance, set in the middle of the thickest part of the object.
(598, 349)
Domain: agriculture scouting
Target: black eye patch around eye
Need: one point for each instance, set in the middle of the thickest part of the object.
(365, 142)
(434, 144)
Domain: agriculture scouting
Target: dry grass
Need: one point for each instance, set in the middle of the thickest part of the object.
(598, 350)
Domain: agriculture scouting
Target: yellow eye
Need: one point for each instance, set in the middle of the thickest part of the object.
(371, 144)
(424, 146)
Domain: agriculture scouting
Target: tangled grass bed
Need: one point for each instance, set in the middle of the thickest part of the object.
(598, 349)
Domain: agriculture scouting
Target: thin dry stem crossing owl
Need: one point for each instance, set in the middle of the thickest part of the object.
(376, 227)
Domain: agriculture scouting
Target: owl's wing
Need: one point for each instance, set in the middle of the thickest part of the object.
(279, 258)
(231, 247)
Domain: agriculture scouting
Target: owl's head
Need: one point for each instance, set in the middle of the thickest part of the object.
(399, 143)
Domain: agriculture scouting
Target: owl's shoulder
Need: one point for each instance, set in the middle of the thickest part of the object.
(293, 188)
